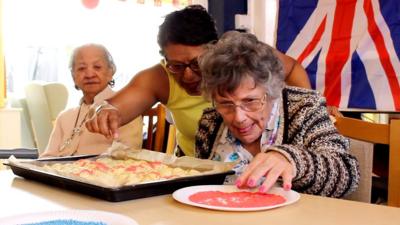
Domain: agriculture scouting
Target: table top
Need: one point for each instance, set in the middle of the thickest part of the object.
(19, 196)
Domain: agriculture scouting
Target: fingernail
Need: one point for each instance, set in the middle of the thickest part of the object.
(238, 183)
(287, 187)
(251, 182)
(262, 189)
(116, 135)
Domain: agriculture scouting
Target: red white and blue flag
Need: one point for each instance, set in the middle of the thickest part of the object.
(350, 49)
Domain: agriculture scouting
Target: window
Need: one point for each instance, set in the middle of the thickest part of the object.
(40, 35)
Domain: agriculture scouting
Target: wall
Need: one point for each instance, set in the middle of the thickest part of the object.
(2, 70)
(223, 11)
(260, 17)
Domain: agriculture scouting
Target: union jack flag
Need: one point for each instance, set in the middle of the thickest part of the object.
(350, 49)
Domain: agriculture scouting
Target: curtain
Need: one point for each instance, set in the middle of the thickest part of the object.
(43, 47)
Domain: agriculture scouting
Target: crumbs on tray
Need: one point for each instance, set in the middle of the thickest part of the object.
(115, 173)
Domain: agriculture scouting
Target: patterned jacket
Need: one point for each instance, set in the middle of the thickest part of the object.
(307, 138)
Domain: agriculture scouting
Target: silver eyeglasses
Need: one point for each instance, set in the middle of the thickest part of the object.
(250, 105)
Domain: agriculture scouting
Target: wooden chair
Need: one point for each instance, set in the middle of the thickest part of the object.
(155, 120)
(379, 134)
(171, 143)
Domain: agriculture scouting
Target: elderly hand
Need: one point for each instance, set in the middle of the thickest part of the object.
(334, 111)
(272, 165)
(105, 120)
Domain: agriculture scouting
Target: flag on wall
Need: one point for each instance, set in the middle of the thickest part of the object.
(350, 49)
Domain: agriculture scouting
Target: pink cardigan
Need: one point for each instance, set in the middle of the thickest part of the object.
(89, 143)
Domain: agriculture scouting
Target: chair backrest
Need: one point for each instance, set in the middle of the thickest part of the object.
(171, 143)
(154, 118)
(27, 138)
(362, 130)
(382, 134)
(44, 102)
(364, 152)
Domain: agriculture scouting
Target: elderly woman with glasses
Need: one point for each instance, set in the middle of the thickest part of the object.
(271, 130)
(175, 82)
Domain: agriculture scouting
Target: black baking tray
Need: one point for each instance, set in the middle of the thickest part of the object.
(120, 193)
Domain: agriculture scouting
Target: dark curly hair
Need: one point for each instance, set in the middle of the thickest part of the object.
(190, 26)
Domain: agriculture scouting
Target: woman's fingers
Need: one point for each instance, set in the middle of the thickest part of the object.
(272, 165)
(105, 122)
(243, 180)
(287, 177)
(91, 125)
(260, 171)
(274, 174)
(102, 120)
(334, 111)
(114, 120)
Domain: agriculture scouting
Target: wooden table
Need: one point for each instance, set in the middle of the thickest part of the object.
(18, 196)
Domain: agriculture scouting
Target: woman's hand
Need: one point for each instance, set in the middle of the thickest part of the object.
(105, 120)
(272, 165)
(334, 111)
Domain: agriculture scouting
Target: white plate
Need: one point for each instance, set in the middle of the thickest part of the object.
(77, 215)
(182, 195)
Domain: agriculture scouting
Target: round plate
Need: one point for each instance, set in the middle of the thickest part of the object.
(77, 215)
(182, 195)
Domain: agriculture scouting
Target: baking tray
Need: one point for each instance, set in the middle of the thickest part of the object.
(115, 194)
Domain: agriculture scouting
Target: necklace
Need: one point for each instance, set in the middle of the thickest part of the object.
(76, 131)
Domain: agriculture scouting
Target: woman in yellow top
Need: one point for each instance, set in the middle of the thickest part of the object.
(175, 82)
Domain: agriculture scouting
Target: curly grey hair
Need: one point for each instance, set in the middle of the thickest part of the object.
(233, 58)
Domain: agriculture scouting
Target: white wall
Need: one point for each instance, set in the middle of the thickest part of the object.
(263, 17)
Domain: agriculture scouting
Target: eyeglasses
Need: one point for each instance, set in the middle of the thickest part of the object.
(250, 105)
(179, 67)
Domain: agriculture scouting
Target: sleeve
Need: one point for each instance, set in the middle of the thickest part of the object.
(206, 134)
(55, 140)
(131, 134)
(323, 165)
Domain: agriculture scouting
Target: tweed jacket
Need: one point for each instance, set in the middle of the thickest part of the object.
(306, 137)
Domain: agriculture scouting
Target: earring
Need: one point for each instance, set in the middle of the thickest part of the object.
(111, 83)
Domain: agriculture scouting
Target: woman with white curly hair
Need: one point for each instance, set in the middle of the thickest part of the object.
(273, 131)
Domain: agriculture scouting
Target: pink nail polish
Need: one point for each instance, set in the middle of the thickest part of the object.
(238, 183)
(251, 182)
(287, 187)
(262, 189)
